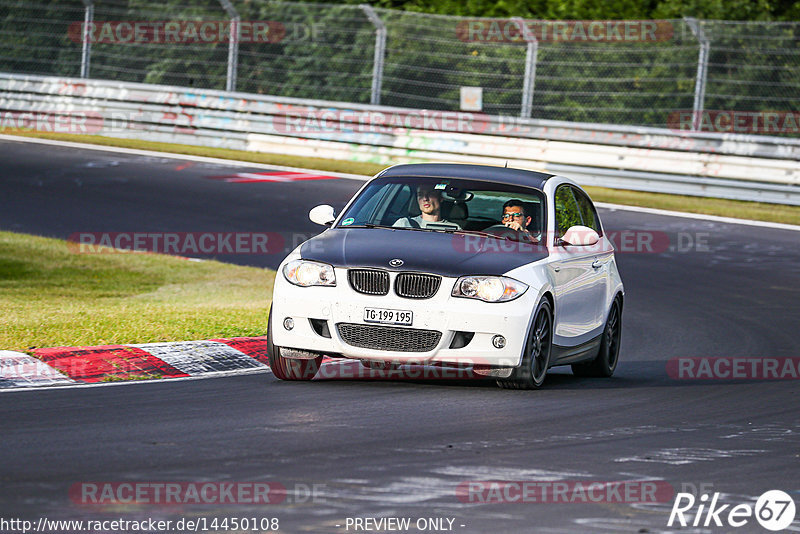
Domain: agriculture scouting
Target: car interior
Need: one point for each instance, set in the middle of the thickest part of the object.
(456, 210)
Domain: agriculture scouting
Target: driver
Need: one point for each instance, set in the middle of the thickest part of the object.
(430, 207)
(516, 218)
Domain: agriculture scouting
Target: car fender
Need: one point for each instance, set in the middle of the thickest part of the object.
(539, 278)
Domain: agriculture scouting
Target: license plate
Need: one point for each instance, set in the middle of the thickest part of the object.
(379, 315)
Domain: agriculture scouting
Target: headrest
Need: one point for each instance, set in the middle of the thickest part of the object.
(454, 210)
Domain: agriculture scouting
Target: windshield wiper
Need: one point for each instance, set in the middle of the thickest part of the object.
(371, 225)
(482, 234)
(506, 236)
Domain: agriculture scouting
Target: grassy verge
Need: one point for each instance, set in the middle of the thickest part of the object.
(709, 206)
(52, 296)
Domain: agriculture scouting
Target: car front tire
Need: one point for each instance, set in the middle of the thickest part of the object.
(605, 363)
(289, 368)
(538, 346)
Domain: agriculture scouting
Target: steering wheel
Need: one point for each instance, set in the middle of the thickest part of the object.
(504, 231)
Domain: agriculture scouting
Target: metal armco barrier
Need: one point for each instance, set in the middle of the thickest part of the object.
(744, 167)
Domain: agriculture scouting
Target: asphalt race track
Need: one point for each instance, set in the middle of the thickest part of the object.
(397, 448)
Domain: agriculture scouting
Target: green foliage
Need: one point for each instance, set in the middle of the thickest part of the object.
(325, 51)
(787, 10)
(567, 211)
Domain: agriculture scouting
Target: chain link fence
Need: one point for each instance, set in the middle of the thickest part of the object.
(619, 72)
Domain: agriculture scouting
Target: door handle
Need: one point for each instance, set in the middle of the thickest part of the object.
(596, 264)
(556, 268)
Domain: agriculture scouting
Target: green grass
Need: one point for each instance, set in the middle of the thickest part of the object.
(756, 211)
(129, 378)
(710, 206)
(52, 296)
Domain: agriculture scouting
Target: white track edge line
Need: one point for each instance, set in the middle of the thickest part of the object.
(701, 216)
(232, 162)
(173, 155)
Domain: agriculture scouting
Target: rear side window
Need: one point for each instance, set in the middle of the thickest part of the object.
(588, 212)
(573, 207)
(567, 211)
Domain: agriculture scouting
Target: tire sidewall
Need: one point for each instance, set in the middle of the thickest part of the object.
(285, 368)
(544, 304)
(605, 350)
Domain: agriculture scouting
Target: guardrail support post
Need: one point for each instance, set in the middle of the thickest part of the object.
(380, 52)
(233, 44)
(86, 47)
(531, 56)
(702, 71)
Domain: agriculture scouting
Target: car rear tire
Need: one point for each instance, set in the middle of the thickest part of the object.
(538, 346)
(289, 368)
(605, 362)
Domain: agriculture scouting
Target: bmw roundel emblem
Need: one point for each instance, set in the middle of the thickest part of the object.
(397, 262)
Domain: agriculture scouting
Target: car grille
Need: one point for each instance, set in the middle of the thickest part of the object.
(389, 338)
(417, 286)
(369, 281)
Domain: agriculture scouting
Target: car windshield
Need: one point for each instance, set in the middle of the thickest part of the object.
(449, 205)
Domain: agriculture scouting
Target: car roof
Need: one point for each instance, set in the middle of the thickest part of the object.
(486, 173)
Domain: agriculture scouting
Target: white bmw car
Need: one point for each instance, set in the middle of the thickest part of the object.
(507, 271)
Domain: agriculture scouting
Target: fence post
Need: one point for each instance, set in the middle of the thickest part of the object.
(86, 48)
(531, 56)
(702, 70)
(233, 44)
(380, 52)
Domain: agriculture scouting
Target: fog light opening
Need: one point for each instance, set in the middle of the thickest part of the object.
(499, 342)
(288, 323)
(461, 339)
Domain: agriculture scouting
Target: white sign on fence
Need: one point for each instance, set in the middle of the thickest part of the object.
(472, 99)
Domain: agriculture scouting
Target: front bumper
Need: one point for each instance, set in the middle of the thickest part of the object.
(442, 313)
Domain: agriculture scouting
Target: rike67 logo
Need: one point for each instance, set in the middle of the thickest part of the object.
(774, 510)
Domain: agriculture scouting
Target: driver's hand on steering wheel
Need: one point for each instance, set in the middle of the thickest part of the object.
(514, 225)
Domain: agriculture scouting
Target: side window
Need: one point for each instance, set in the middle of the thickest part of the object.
(588, 212)
(567, 211)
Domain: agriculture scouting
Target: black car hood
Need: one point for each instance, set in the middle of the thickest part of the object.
(431, 252)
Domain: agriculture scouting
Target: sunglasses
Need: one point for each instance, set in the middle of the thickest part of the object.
(512, 215)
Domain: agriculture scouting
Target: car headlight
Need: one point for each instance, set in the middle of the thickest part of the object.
(309, 273)
(489, 288)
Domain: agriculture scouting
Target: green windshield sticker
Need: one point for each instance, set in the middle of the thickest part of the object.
(348, 221)
(440, 186)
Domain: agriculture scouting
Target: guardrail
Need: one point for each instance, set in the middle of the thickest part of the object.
(745, 167)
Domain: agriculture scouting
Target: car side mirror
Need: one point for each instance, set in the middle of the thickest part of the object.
(322, 214)
(581, 236)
